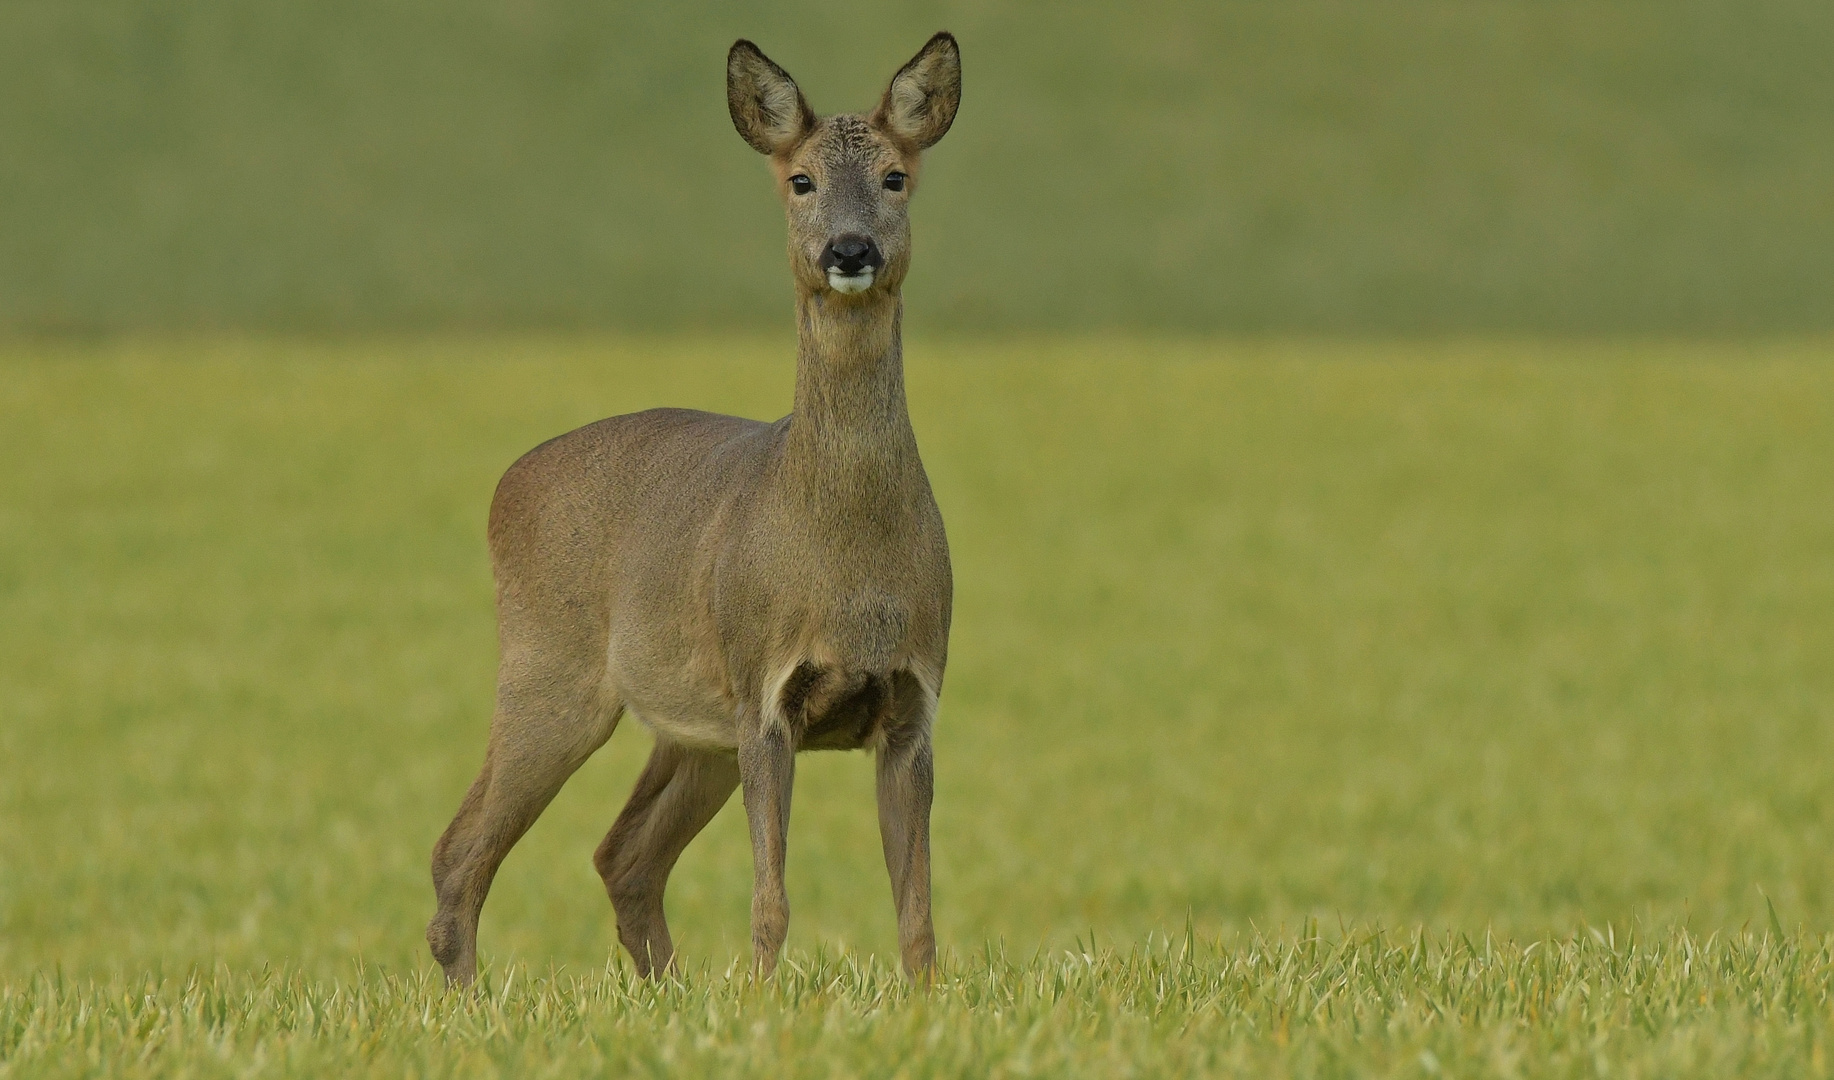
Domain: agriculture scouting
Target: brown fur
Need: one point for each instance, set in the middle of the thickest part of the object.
(746, 589)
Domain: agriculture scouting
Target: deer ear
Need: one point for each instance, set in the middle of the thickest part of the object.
(766, 106)
(920, 103)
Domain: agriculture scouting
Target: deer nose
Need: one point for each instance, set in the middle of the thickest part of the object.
(851, 254)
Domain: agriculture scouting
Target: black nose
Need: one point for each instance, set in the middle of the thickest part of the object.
(851, 254)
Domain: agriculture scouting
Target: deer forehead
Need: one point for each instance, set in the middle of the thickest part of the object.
(846, 142)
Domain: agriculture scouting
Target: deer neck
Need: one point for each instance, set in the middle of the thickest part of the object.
(850, 451)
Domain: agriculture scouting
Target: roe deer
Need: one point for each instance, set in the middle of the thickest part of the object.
(745, 589)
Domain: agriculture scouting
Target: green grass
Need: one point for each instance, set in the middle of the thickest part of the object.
(1385, 166)
(1360, 1004)
(1472, 654)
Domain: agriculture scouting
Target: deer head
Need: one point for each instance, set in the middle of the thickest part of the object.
(846, 181)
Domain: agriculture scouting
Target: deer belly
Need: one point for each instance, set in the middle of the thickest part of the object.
(702, 729)
(675, 705)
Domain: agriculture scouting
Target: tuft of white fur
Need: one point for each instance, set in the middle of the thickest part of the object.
(850, 283)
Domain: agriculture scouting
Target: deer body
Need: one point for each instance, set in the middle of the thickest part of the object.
(745, 589)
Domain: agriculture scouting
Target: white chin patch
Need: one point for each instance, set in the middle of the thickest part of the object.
(850, 283)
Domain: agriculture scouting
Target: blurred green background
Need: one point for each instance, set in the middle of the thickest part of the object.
(1307, 166)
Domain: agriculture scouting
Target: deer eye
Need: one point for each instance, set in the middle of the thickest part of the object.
(894, 181)
(801, 184)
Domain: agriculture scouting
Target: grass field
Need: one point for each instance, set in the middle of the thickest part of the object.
(1314, 709)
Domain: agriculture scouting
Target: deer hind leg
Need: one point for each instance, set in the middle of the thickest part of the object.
(537, 739)
(678, 793)
(906, 783)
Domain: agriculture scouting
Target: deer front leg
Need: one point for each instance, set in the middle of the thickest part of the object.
(767, 771)
(907, 783)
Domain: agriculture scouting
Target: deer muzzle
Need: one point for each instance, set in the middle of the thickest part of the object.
(851, 262)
